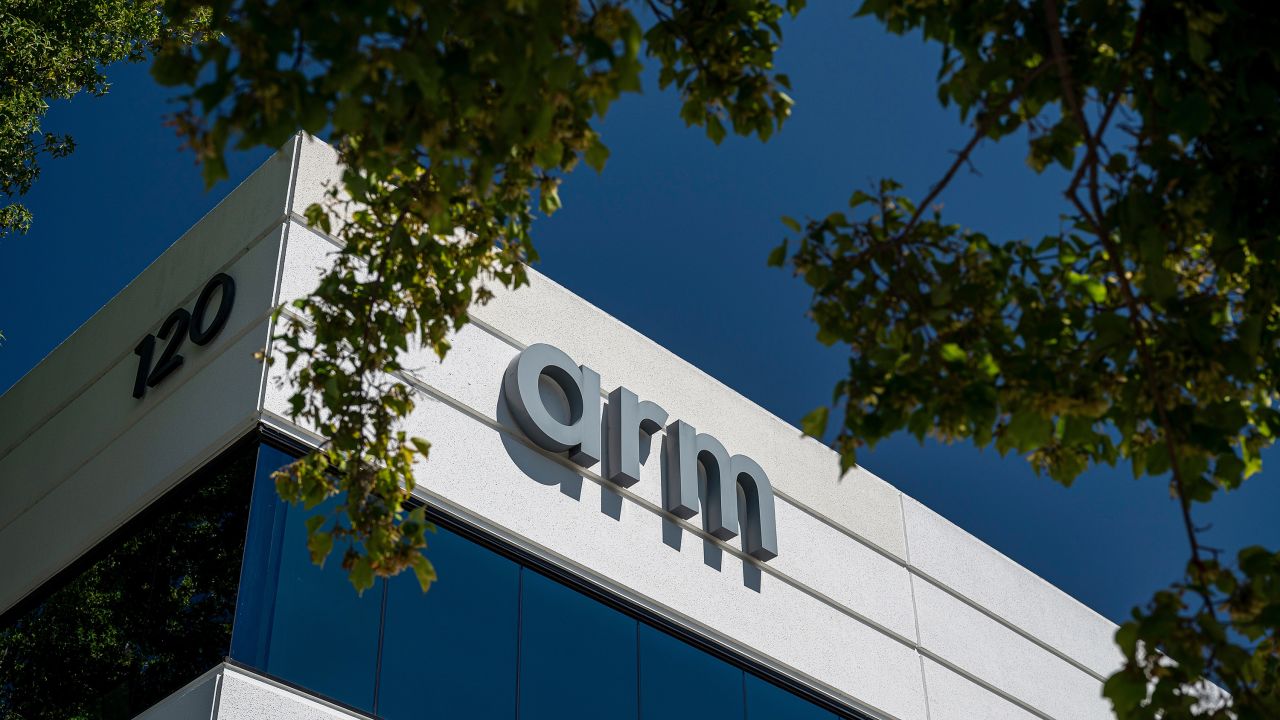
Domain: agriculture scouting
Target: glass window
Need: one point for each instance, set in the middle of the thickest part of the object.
(492, 639)
(320, 633)
(766, 700)
(147, 612)
(577, 656)
(679, 680)
(451, 653)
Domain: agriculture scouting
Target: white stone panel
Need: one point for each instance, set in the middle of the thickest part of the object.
(979, 645)
(812, 552)
(307, 257)
(800, 467)
(317, 172)
(960, 561)
(228, 692)
(183, 429)
(650, 558)
(228, 229)
(955, 697)
(106, 408)
(244, 696)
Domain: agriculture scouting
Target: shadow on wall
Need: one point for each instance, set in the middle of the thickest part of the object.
(539, 467)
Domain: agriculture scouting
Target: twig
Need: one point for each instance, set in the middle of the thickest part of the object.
(962, 157)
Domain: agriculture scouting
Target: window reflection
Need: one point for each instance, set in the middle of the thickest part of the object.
(679, 680)
(577, 656)
(321, 634)
(151, 611)
(451, 653)
(766, 700)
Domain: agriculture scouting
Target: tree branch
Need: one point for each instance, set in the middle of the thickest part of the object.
(1134, 306)
(983, 126)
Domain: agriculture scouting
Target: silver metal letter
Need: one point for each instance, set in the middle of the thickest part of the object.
(760, 537)
(627, 419)
(581, 385)
(688, 448)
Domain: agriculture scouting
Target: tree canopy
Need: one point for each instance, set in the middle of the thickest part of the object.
(1144, 333)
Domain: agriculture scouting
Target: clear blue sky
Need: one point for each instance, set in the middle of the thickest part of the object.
(672, 240)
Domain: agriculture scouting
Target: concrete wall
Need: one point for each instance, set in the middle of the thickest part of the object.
(874, 600)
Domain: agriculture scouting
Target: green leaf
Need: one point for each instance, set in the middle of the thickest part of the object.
(320, 544)
(860, 197)
(778, 256)
(952, 352)
(422, 446)
(1096, 291)
(361, 575)
(1126, 691)
(550, 200)
(715, 129)
(424, 571)
(596, 155)
(989, 365)
(814, 424)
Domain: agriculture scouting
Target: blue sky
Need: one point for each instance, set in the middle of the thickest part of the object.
(672, 239)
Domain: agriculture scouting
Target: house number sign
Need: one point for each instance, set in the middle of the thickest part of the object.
(182, 324)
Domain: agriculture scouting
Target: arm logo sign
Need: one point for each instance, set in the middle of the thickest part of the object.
(628, 416)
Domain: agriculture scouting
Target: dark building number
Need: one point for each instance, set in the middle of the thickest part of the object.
(177, 328)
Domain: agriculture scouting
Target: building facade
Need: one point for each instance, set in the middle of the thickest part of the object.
(620, 535)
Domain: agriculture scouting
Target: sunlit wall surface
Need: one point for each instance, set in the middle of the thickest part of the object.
(145, 612)
(492, 639)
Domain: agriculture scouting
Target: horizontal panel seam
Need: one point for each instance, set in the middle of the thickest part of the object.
(577, 567)
(160, 397)
(614, 586)
(803, 507)
(185, 469)
(1007, 623)
(278, 222)
(984, 684)
(415, 381)
(485, 419)
(871, 545)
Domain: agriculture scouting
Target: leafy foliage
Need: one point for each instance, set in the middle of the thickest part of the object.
(52, 51)
(449, 115)
(1146, 332)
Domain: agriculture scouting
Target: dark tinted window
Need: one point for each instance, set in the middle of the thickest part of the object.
(679, 680)
(451, 653)
(320, 634)
(765, 700)
(145, 613)
(577, 656)
(490, 640)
